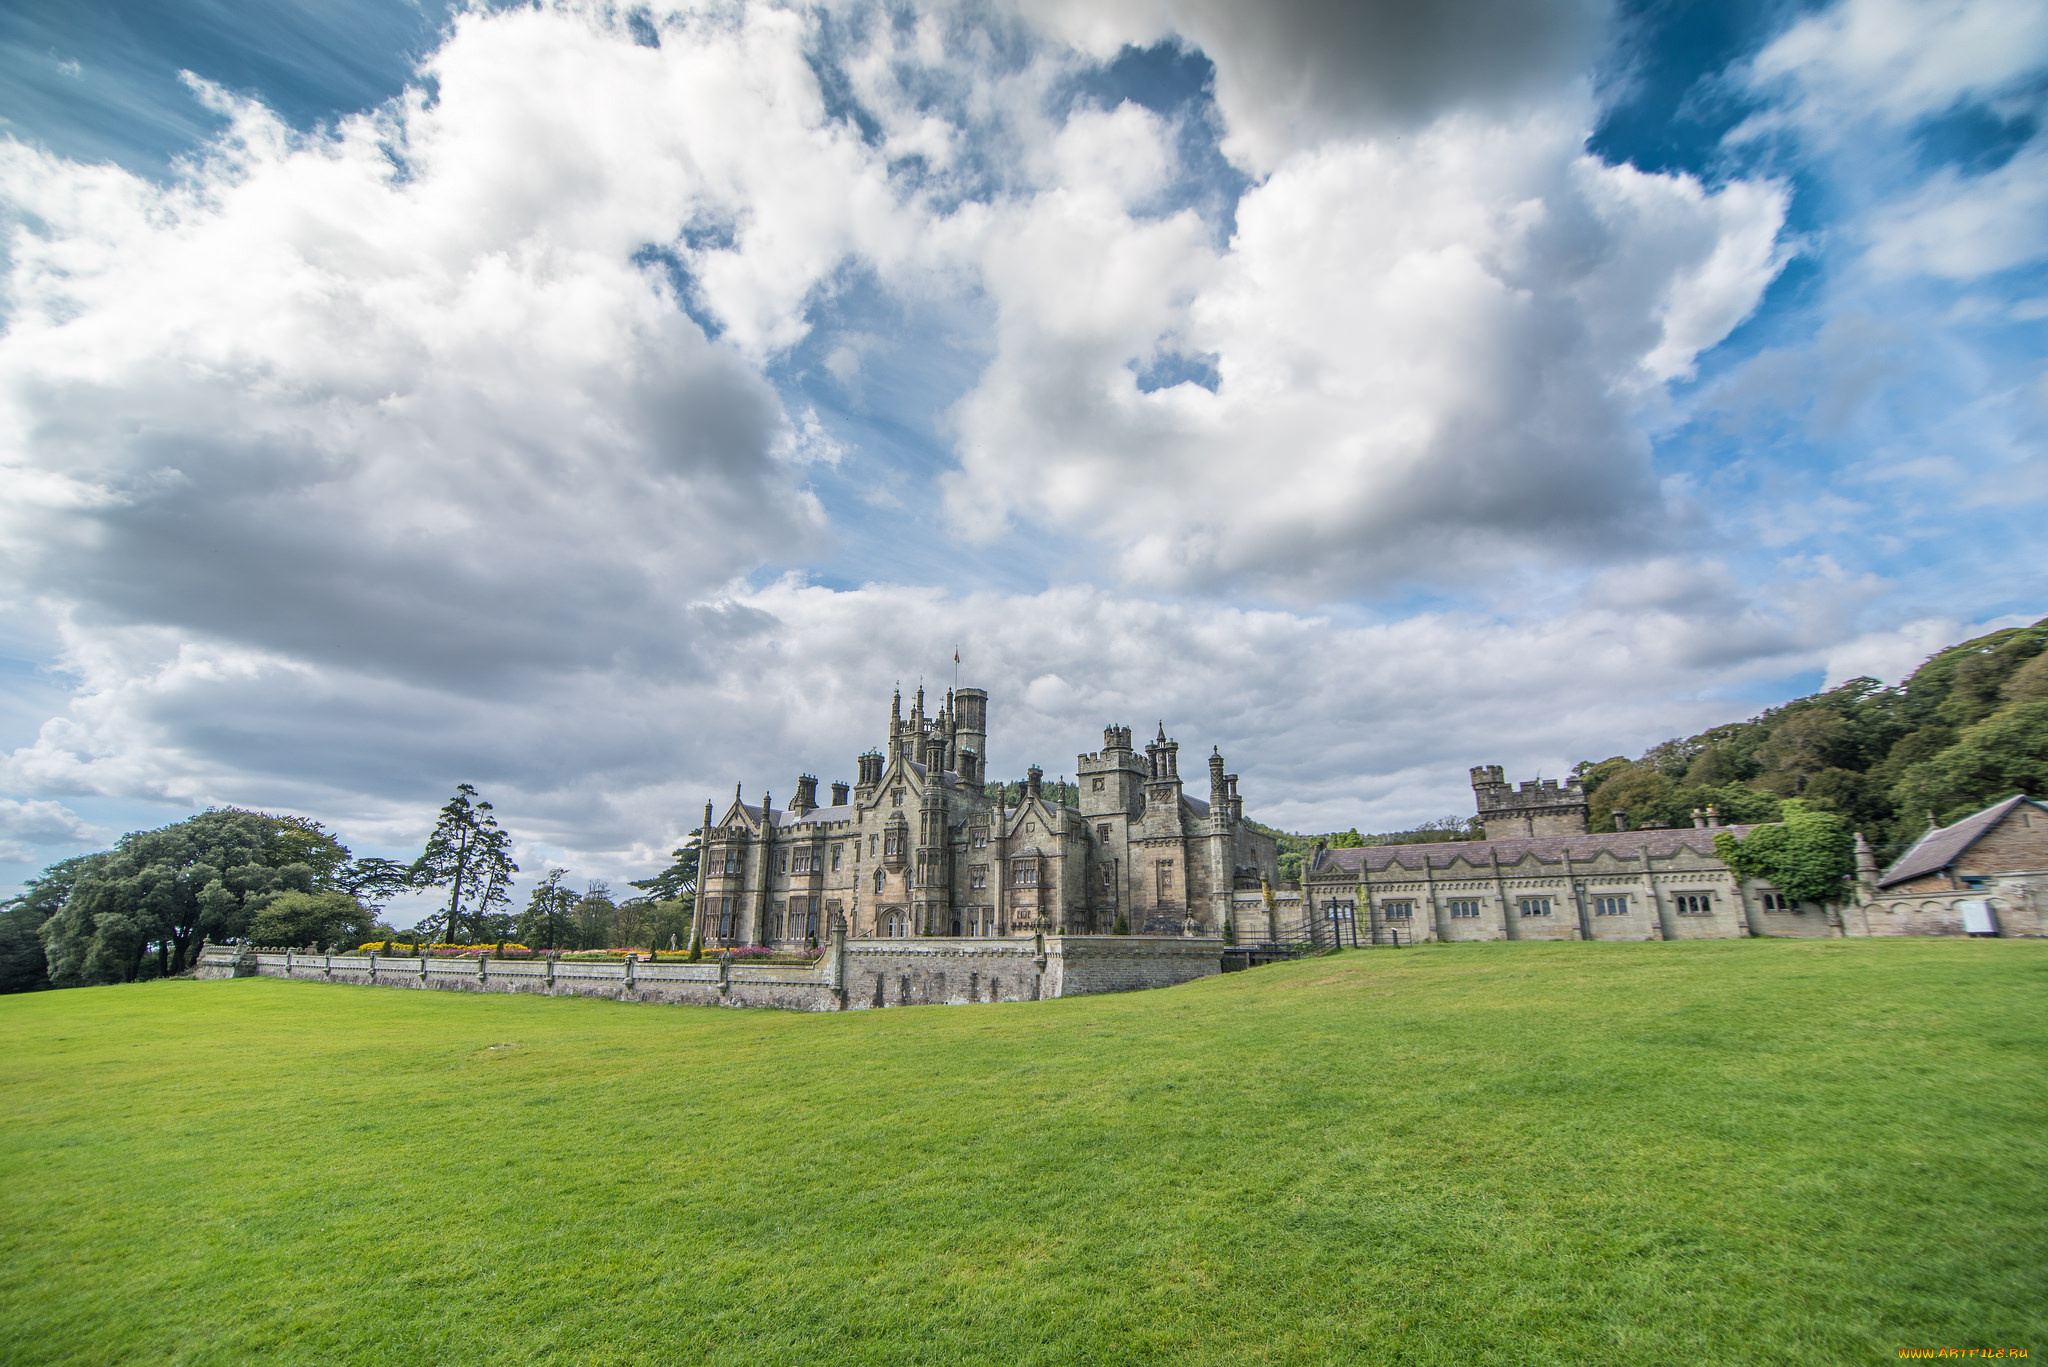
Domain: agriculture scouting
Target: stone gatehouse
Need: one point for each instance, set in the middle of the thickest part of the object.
(917, 848)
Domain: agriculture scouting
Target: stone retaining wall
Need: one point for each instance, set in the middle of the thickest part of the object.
(852, 975)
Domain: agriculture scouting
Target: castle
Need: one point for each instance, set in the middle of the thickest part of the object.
(918, 847)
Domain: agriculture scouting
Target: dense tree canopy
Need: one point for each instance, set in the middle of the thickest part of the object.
(1806, 855)
(549, 921)
(207, 876)
(1969, 727)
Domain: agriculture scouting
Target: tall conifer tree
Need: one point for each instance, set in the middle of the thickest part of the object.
(471, 856)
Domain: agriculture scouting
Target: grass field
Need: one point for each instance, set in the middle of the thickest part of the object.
(1734, 1152)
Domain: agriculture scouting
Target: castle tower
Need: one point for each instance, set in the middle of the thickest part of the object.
(932, 886)
(1118, 771)
(970, 736)
(1539, 807)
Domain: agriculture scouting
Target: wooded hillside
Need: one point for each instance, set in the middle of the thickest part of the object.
(1970, 726)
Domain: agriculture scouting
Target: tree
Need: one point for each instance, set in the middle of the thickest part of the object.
(313, 918)
(206, 876)
(2005, 753)
(471, 856)
(1640, 791)
(677, 882)
(668, 922)
(596, 916)
(549, 921)
(24, 964)
(1806, 856)
(24, 967)
(372, 881)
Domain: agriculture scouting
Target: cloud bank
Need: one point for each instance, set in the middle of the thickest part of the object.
(466, 439)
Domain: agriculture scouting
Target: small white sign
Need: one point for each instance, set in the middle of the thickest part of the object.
(1977, 918)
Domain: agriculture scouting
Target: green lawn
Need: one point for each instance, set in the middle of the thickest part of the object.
(1735, 1152)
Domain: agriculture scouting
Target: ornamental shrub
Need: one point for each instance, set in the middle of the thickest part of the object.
(1806, 856)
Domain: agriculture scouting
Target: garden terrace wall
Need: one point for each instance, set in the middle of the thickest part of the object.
(850, 975)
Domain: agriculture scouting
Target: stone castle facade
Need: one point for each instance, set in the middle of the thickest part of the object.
(1540, 874)
(917, 848)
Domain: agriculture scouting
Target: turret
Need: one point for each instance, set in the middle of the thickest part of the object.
(1219, 784)
(970, 735)
(1542, 807)
(1110, 781)
(932, 884)
(895, 727)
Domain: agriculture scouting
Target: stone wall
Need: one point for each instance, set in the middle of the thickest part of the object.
(852, 975)
(2019, 907)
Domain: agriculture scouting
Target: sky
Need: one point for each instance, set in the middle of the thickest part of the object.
(606, 406)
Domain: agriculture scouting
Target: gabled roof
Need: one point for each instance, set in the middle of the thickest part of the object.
(1550, 849)
(947, 778)
(1944, 845)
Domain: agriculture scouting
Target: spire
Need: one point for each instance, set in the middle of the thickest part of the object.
(1162, 733)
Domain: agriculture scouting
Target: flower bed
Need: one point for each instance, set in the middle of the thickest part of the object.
(740, 954)
(408, 950)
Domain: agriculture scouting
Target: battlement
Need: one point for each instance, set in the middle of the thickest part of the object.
(1536, 807)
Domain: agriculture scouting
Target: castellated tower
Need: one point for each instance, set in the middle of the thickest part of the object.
(1539, 807)
(970, 735)
(1112, 781)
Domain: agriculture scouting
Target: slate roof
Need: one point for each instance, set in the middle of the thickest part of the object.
(947, 778)
(1548, 849)
(1944, 845)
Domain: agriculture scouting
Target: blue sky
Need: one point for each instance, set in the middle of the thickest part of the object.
(604, 408)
